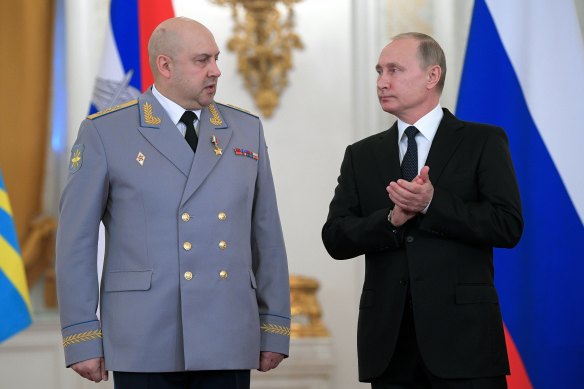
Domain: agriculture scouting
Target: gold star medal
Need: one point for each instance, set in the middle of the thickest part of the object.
(215, 142)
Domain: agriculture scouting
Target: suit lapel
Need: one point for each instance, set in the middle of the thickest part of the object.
(161, 132)
(386, 153)
(211, 124)
(447, 139)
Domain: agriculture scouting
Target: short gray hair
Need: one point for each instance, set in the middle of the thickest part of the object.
(429, 53)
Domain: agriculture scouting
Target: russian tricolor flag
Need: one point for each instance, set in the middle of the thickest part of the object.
(125, 72)
(524, 71)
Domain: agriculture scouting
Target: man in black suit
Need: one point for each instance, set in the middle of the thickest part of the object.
(429, 315)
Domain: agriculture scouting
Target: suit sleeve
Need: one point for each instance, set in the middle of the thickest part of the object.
(347, 232)
(493, 216)
(269, 260)
(82, 205)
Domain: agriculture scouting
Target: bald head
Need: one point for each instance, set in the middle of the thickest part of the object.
(183, 57)
(172, 36)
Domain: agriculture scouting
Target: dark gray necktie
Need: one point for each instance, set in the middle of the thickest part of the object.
(409, 166)
(188, 118)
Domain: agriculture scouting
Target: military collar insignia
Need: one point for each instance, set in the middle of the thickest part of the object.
(149, 115)
(215, 118)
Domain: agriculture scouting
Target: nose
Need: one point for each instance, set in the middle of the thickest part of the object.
(382, 82)
(214, 70)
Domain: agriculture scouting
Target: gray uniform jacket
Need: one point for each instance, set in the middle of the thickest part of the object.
(195, 274)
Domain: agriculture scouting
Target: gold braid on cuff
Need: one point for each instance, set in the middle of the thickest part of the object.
(275, 329)
(81, 337)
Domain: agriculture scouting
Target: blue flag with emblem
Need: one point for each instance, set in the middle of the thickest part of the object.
(15, 307)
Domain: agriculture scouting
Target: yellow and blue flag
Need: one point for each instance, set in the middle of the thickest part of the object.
(15, 307)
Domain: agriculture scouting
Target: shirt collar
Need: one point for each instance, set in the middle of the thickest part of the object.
(173, 110)
(427, 124)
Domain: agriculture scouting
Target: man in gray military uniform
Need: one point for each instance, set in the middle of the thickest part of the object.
(195, 288)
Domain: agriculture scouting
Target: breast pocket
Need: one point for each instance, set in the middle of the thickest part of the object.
(120, 281)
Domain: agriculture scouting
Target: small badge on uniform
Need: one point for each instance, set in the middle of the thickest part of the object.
(76, 158)
(246, 153)
(140, 158)
(215, 142)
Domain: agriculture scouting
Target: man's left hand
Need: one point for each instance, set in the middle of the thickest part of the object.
(269, 360)
(412, 196)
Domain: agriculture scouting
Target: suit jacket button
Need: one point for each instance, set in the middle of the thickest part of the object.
(188, 276)
(187, 246)
(409, 239)
(223, 274)
(223, 245)
(185, 217)
(221, 216)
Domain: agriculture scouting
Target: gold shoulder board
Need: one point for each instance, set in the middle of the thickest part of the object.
(238, 108)
(113, 109)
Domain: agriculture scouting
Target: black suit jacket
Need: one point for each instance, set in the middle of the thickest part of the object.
(445, 256)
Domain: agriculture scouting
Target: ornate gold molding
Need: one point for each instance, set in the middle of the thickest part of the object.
(263, 42)
(306, 312)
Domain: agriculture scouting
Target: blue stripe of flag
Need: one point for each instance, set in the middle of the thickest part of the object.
(124, 20)
(14, 312)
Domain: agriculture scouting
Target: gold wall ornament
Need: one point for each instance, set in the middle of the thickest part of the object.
(263, 42)
(306, 312)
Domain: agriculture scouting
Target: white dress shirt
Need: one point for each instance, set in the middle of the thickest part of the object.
(427, 127)
(175, 111)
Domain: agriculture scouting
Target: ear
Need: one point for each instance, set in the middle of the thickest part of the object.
(434, 75)
(164, 65)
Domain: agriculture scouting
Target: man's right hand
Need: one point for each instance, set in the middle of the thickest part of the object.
(92, 369)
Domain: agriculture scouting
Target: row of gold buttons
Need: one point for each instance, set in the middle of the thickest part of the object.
(189, 276)
(186, 216)
(188, 246)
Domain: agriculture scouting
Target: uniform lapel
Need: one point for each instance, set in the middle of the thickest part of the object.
(446, 141)
(161, 132)
(211, 124)
(386, 153)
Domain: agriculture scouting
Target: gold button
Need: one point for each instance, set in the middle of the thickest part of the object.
(223, 245)
(187, 246)
(185, 217)
(188, 276)
(223, 274)
(222, 216)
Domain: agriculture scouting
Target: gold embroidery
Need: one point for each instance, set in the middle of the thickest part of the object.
(81, 337)
(75, 160)
(112, 109)
(216, 119)
(149, 116)
(275, 329)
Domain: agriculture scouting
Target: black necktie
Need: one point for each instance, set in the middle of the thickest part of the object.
(188, 118)
(409, 166)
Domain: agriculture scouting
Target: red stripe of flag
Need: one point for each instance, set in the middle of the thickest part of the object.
(518, 378)
(150, 14)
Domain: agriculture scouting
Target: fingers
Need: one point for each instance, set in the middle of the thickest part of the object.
(269, 360)
(92, 369)
(411, 196)
(104, 374)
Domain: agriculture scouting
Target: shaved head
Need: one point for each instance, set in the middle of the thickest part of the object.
(169, 37)
(183, 57)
